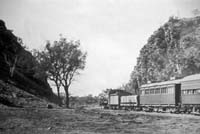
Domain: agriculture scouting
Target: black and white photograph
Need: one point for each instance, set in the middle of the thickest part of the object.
(99, 66)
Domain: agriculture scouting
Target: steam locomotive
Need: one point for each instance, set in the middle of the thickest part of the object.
(174, 96)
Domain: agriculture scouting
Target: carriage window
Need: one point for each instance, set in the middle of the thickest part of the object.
(194, 91)
(170, 90)
(157, 90)
(190, 91)
(151, 91)
(163, 90)
(184, 92)
(142, 92)
(147, 91)
(198, 91)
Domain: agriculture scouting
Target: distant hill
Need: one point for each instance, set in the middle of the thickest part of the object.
(171, 51)
(18, 70)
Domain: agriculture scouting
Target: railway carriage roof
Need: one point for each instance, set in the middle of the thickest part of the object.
(162, 83)
(191, 77)
(118, 92)
(170, 82)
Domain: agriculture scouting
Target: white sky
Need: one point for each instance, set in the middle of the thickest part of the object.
(111, 31)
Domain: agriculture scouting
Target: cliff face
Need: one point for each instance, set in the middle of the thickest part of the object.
(19, 68)
(171, 51)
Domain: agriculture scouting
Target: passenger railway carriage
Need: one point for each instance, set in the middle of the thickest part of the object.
(190, 89)
(161, 96)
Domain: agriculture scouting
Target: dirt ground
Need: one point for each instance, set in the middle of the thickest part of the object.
(90, 121)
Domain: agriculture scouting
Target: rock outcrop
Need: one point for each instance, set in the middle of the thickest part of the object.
(18, 68)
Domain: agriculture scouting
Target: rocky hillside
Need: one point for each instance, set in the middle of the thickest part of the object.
(18, 72)
(11, 96)
(171, 51)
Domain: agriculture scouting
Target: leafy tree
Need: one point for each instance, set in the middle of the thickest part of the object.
(104, 94)
(62, 61)
(49, 64)
(196, 12)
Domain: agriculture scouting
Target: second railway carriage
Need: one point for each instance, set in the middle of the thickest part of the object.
(161, 96)
(114, 98)
(190, 97)
(129, 102)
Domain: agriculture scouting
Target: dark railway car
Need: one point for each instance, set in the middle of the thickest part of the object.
(162, 96)
(190, 88)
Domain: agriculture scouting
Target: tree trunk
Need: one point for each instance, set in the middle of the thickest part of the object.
(179, 70)
(58, 92)
(12, 68)
(138, 83)
(66, 96)
(10, 64)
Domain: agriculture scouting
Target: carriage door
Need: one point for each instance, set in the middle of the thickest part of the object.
(177, 94)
